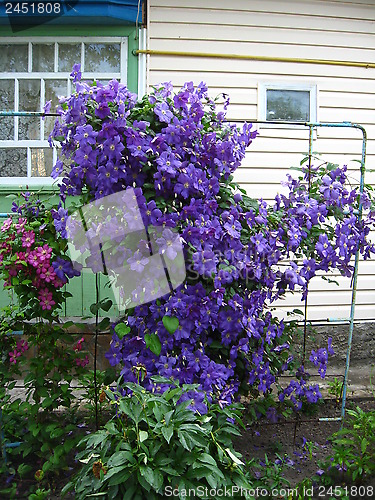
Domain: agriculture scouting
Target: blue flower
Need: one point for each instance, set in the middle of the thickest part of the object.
(163, 112)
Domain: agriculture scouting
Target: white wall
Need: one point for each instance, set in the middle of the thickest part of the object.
(317, 29)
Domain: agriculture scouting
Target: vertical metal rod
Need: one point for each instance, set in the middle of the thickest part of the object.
(356, 263)
(311, 139)
(355, 279)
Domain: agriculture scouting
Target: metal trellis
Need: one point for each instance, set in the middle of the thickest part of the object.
(311, 127)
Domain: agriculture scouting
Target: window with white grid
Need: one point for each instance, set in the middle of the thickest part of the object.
(37, 71)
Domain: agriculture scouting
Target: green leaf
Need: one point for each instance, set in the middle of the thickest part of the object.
(120, 477)
(106, 304)
(168, 416)
(121, 329)
(171, 323)
(104, 324)
(170, 393)
(128, 495)
(153, 343)
(46, 402)
(215, 344)
(169, 470)
(153, 477)
(189, 439)
(207, 459)
(212, 481)
(364, 444)
(233, 457)
(131, 410)
(167, 433)
(143, 435)
(24, 469)
(94, 308)
(120, 458)
(159, 414)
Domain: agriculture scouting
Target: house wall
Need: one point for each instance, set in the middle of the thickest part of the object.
(305, 29)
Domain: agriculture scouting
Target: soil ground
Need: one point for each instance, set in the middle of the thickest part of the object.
(287, 438)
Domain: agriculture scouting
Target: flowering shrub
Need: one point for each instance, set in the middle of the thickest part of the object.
(154, 446)
(179, 154)
(31, 256)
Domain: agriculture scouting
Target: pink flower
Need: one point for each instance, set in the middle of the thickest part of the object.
(38, 283)
(13, 355)
(6, 224)
(20, 225)
(12, 271)
(46, 299)
(33, 259)
(82, 362)
(44, 293)
(48, 274)
(22, 345)
(58, 283)
(28, 239)
(47, 304)
(78, 346)
(44, 253)
(21, 257)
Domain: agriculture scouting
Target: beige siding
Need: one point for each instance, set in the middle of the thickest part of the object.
(305, 29)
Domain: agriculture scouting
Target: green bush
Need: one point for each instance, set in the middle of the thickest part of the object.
(153, 446)
(353, 457)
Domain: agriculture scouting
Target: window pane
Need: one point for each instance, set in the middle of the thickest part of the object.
(288, 105)
(41, 162)
(13, 162)
(97, 81)
(69, 55)
(13, 57)
(102, 57)
(53, 90)
(43, 56)
(7, 104)
(29, 100)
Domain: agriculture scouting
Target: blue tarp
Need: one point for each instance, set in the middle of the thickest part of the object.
(69, 12)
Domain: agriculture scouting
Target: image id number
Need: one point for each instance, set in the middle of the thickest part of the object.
(25, 8)
(340, 491)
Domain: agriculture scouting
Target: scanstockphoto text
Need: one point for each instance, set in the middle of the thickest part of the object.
(259, 492)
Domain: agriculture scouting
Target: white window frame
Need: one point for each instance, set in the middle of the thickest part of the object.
(262, 101)
(42, 76)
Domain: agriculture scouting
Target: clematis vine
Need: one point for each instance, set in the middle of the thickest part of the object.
(178, 153)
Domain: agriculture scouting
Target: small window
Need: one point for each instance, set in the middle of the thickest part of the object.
(284, 103)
